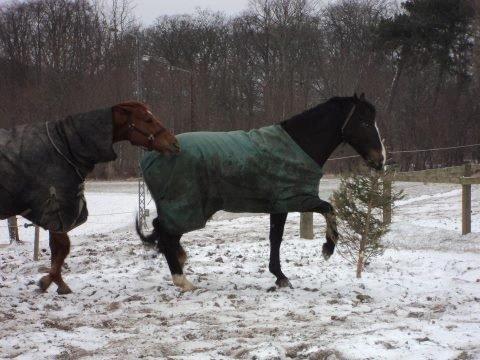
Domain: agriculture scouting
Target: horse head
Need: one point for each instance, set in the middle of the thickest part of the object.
(133, 121)
(361, 132)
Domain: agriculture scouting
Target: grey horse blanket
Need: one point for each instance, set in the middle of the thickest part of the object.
(261, 171)
(43, 167)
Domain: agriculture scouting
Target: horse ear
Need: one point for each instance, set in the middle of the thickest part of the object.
(362, 96)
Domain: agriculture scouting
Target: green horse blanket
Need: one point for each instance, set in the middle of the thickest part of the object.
(260, 171)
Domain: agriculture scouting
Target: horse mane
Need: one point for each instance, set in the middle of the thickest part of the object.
(316, 112)
(132, 104)
(326, 107)
(338, 99)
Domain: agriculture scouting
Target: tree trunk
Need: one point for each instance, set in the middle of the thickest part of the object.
(361, 259)
(395, 82)
(476, 49)
(366, 234)
(438, 85)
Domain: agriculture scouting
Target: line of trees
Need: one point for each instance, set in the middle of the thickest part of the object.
(418, 63)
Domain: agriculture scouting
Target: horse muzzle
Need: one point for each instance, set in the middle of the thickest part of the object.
(375, 160)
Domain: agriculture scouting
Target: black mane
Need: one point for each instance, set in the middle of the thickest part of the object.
(318, 130)
(324, 108)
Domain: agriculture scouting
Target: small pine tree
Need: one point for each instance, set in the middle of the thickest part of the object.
(359, 204)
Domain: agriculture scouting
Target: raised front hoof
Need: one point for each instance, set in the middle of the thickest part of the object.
(45, 282)
(64, 290)
(283, 283)
(327, 250)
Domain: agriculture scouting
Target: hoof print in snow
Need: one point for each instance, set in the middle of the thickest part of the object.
(54, 324)
(420, 340)
(43, 269)
(386, 345)
(294, 351)
(364, 298)
(134, 298)
(416, 314)
(113, 306)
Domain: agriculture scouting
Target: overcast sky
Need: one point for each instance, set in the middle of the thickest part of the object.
(149, 10)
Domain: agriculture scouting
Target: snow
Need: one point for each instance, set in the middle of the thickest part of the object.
(420, 300)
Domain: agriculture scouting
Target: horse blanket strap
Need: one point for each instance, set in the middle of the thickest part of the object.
(260, 171)
(36, 176)
(77, 170)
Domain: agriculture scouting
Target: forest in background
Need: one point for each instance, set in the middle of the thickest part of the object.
(418, 63)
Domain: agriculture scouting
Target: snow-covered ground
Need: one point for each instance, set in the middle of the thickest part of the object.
(420, 300)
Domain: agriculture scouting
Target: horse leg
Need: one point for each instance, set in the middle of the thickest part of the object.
(181, 255)
(60, 248)
(326, 209)
(176, 257)
(277, 225)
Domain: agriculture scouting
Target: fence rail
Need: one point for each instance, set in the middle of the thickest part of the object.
(464, 175)
(13, 234)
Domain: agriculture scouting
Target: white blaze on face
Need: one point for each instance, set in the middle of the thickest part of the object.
(384, 152)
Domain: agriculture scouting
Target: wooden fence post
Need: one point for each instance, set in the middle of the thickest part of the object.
(306, 226)
(467, 202)
(387, 192)
(36, 244)
(13, 229)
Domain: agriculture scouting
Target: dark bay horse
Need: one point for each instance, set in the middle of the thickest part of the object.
(44, 166)
(275, 169)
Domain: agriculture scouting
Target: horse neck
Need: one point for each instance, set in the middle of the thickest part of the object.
(317, 131)
(120, 126)
(89, 136)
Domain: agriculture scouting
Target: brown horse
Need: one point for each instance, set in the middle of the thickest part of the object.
(64, 152)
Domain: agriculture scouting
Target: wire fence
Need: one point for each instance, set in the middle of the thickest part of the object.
(412, 151)
(332, 159)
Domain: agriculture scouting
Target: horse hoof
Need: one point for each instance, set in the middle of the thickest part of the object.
(182, 282)
(188, 288)
(283, 283)
(327, 251)
(45, 282)
(64, 290)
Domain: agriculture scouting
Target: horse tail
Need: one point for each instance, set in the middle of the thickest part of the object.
(152, 239)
